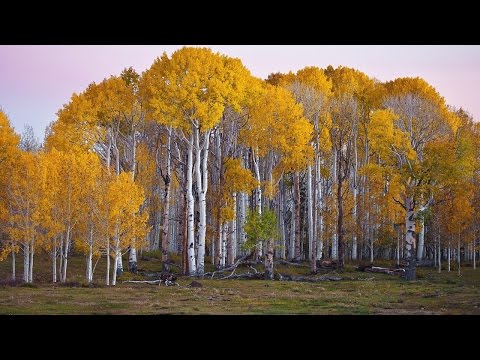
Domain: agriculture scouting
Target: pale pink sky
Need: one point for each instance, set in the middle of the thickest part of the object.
(35, 81)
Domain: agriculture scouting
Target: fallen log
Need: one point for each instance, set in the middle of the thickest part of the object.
(231, 268)
(309, 279)
(285, 262)
(327, 264)
(382, 270)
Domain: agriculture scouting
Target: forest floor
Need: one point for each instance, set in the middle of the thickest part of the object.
(356, 293)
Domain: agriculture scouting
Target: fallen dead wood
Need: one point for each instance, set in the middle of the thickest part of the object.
(309, 278)
(152, 282)
(285, 262)
(231, 268)
(382, 270)
(278, 276)
(327, 264)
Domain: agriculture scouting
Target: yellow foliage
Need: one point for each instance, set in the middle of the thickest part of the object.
(194, 85)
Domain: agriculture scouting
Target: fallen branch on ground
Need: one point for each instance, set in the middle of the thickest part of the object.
(285, 262)
(382, 270)
(233, 267)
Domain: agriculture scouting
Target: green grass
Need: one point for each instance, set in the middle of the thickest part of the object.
(358, 293)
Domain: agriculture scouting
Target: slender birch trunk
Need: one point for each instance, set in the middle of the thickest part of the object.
(296, 195)
(410, 271)
(54, 262)
(30, 264)
(449, 254)
(474, 254)
(458, 254)
(232, 245)
(398, 246)
(14, 277)
(116, 261)
(90, 264)
(355, 194)
(166, 222)
(258, 195)
(201, 169)
(26, 261)
(421, 239)
(291, 252)
(107, 278)
(192, 269)
(310, 213)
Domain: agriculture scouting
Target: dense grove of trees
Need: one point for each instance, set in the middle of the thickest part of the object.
(197, 157)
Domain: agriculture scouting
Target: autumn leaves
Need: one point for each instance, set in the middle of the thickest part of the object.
(174, 158)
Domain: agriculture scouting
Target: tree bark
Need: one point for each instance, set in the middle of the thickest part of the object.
(474, 254)
(340, 230)
(410, 271)
(458, 254)
(449, 252)
(232, 244)
(30, 264)
(421, 239)
(166, 213)
(192, 269)
(202, 186)
(269, 261)
(107, 278)
(439, 256)
(355, 193)
(258, 195)
(310, 212)
(296, 192)
(14, 277)
(26, 261)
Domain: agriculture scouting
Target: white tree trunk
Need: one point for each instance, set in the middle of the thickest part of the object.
(26, 261)
(474, 255)
(30, 264)
(291, 252)
(258, 195)
(319, 192)
(192, 269)
(224, 235)
(243, 235)
(355, 194)
(449, 254)
(458, 254)
(334, 247)
(232, 252)
(65, 255)
(132, 258)
(354, 215)
(421, 239)
(107, 278)
(410, 272)
(14, 276)
(90, 264)
(310, 211)
(54, 264)
(398, 246)
(166, 213)
(116, 267)
(201, 169)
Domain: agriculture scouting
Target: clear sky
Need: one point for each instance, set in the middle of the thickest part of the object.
(35, 81)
